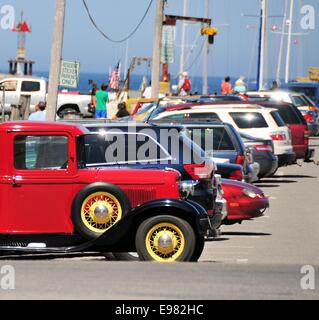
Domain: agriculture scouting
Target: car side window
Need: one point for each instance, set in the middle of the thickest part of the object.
(204, 115)
(249, 120)
(298, 101)
(178, 116)
(216, 138)
(123, 148)
(40, 152)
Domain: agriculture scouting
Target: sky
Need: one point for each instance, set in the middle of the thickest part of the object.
(234, 52)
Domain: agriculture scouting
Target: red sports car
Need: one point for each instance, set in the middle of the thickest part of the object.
(244, 201)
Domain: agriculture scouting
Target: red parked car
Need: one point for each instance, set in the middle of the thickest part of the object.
(295, 121)
(50, 201)
(244, 201)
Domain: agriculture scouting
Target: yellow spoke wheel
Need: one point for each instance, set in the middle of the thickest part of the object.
(100, 211)
(165, 242)
(165, 238)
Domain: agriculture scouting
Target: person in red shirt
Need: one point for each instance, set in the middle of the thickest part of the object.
(226, 87)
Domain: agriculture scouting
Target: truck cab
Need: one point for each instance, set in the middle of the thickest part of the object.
(17, 86)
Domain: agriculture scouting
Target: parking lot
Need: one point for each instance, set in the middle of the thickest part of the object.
(288, 233)
(259, 259)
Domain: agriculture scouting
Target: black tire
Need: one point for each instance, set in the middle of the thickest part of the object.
(67, 110)
(111, 197)
(200, 244)
(177, 228)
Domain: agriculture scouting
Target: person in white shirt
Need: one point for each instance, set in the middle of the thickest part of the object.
(40, 112)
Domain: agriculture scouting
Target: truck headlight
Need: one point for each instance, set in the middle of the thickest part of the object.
(187, 187)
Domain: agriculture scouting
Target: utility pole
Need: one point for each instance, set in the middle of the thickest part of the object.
(183, 43)
(262, 46)
(157, 46)
(283, 29)
(289, 40)
(206, 55)
(56, 55)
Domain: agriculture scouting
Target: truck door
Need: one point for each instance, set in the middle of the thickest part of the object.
(40, 190)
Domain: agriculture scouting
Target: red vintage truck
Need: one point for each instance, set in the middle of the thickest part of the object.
(50, 202)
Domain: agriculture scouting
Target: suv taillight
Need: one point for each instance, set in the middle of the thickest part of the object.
(263, 148)
(199, 171)
(240, 159)
(237, 175)
(278, 136)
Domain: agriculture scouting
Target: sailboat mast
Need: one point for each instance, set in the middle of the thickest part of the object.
(206, 55)
(292, 2)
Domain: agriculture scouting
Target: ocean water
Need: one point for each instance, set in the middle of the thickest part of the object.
(136, 81)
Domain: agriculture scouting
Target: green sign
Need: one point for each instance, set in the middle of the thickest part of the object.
(69, 75)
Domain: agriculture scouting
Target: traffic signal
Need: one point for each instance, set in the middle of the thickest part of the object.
(210, 32)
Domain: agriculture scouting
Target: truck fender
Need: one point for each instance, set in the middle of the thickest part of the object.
(127, 226)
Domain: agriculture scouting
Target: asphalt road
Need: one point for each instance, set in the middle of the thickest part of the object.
(259, 259)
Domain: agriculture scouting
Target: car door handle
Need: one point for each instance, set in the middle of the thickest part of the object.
(14, 183)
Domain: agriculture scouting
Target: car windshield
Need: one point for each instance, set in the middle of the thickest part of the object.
(288, 113)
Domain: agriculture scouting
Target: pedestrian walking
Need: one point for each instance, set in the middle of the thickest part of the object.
(226, 87)
(102, 98)
(40, 112)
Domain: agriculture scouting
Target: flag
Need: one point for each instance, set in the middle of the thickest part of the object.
(115, 78)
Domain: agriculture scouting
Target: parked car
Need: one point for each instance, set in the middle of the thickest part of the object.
(220, 140)
(263, 153)
(310, 89)
(245, 118)
(299, 100)
(297, 125)
(90, 209)
(171, 149)
(244, 201)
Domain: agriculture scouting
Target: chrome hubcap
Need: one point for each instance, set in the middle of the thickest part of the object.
(165, 243)
(101, 212)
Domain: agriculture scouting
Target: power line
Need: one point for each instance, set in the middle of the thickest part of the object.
(196, 58)
(105, 35)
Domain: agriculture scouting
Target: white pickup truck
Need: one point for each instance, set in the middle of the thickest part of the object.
(36, 88)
